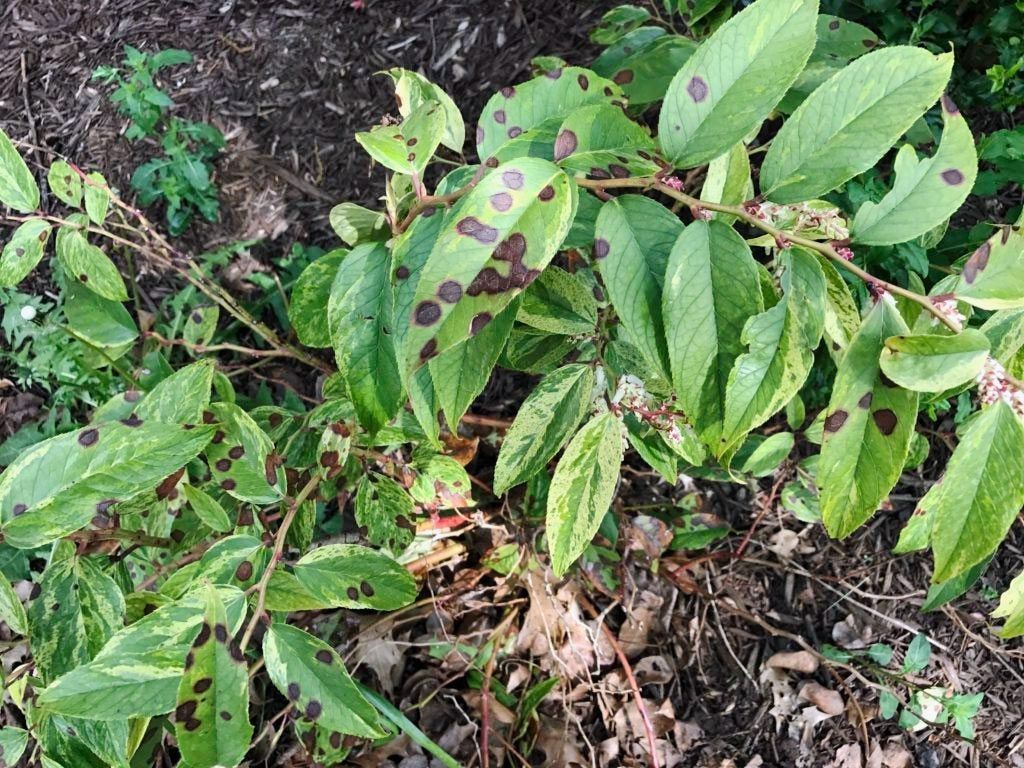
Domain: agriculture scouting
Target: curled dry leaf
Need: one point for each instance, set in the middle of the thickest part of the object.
(825, 699)
(798, 661)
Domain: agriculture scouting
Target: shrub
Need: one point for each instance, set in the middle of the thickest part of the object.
(561, 254)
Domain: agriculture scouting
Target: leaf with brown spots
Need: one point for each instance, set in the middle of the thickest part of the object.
(408, 147)
(926, 192)
(18, 187)
(61, 480)
(735, 78)
(216, 682)
(311, 675)
(993, 275)
(23, 251)
(331, 573)
(226, 562)
(602, 136)
(863, 452)
(181, 398)
(80, 257)
(643, 63)
(413, 89)
(935, 362)
(493, 254)
(386, 511)
(244, 478)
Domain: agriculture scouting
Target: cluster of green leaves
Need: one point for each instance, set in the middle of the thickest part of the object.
(180, 178)
(560, 253)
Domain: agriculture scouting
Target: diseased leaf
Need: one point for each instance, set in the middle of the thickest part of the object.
(582, 489)
(313, 677)
(632, 241)
(360, 318)
(644, 62)
(181, 398)
(993, 276)
(408, 147)
(97, 197)
(201, 326)
(850, 121)
(980, 493)
(65, 183)
(310, 298)
(926, 192)
(412, 90)
(867, 429)
(350, 576)
(60, 484)
(735, 78)
(17, 186)
(536, 108)
(505, 231)
(242, 459)
(546, 420)
(934, 363)
(212, 714)
(24, 251)
(1011, 608)
(89, 265)
(386, 511)
(602, 142)
(711, 290)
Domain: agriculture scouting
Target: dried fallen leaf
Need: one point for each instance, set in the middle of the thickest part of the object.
(798, 661)
(825, 699)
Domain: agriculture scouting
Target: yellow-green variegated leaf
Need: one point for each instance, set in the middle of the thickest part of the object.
(354, 224)
(408, 147)
(359, 316)
(1011, 608)
(711, 290)
(413, 89)
(632, 241)
(12, 612)
(242, 459)
(89, 265)
(310, 296)
(97, 197)
(935, 363)
(212, 714)
(18, 188)
(780, 342)
(23, 251)
(65, 183)
(851, 120)
(926, 192)
(544, 423)
(993, 276)
(537, 107)
(208, 509)
(735, 78)
(603, 142)
(867, 429)
(181, 398)
(503, 234)
(350, 576)
(59, 485)
(728, 179)
(582, 489)
(313, 678)
(980, 494)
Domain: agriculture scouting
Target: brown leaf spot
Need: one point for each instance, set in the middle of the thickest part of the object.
(479, 134)
(428, 350)
(865, 400)
(335, 740)
(508, 91)
(501, 201)
(218, 436)
(208, 417)
(473, 227)
(192, 724)
(583, 81)
(622, 77)
(166, 487)
(366, 588)
(329, 458)
(977, 262)
(132, 396)
(244, 571)
(478, 322)
(500, 117)
(270, 465)
(353, 593)
(554, 74)
(237, 452)
(202, 685)
(600, 248)
(427, 313)
(835, 420)
(88, 437)
(885, 420)
(223, 465)
(221, 633)
(225, 715)
(565, 144)
(514, 131)
(618, 171)
(513, 179)
(196, 317)
(293, 691)
(132, 421)
(949, 106)
(324, 656)
(185, 710)
(952, 176)
(546, 194)
(449, 291)
(313, 709)
(697, 88)
(402, 272)
(228, 484)
(834, 24)
(18, 509)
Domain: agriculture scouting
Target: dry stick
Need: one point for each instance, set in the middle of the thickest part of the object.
(628, 670)
(165, 342)
(485, 688)
(279, 537)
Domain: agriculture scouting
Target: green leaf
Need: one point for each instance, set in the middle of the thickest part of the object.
(13, 742)
(1011, 608)
(728, 180)
(711, 290)
(77, 610)
(461, 373)
(182, 397)
(841, 40)
(544, 423)
(601, 141)
(89, 265)
(313, 677)
(926, 192)
(935, 363)
(850, 121)
(17, 186)
(23, 252)
(65, 183)
(242, 459)
(359, 314)
(842, 318)
(409, 147)
(386, 511)
(539, 105)
(633, 238)
(888, 703)
(780, 341)
(350, 576)
(582, 489)
(310, 298)
(97, 197)
(103, 323)
(354, 224)
(58, 486)
(503, 234)
(644, 62)
(867, 430)
(201, 325)
(880, 653)
(412, 90)
(980, 494)
(768, 454)
(208, 510)
(237, 560)
(735, 78)
(12, 612)
(558, 302)
(137, 672)
(212, 715)
(947, 591)
(919, 653)
(993, 276)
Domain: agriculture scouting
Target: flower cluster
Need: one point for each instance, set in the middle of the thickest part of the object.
(994, 386)
(803, 217)
(632, 396)
(945, 305)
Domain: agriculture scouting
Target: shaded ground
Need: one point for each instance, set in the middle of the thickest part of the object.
(289, 83)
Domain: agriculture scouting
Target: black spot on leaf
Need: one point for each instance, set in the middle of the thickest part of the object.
(833, 25)
(835, 420)
(514, 131)
(473, 227)
(885, 420)
(427, 313)
(366, 588)
(293, 691)
(478, 322)
(513, 179)
(313, 709)
(501, 201)
(402, 272)
(353, 593)
(225, 715)
(428, 350)
(244, 571)
(977, 262)
(600, 248)
(185, 710)
(237, 452)
(500, 117)
(449, 291)
(865, 400)
(952, 176)
(583, 81)
(546, 194)
(949, 105)
(223, 465)
(88, 437)
(324, 656)
(508, 91)
(228, 484)
(203, 636)
(622, 77)
(202, 685)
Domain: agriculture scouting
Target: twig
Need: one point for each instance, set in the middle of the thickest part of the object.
(485, 688)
